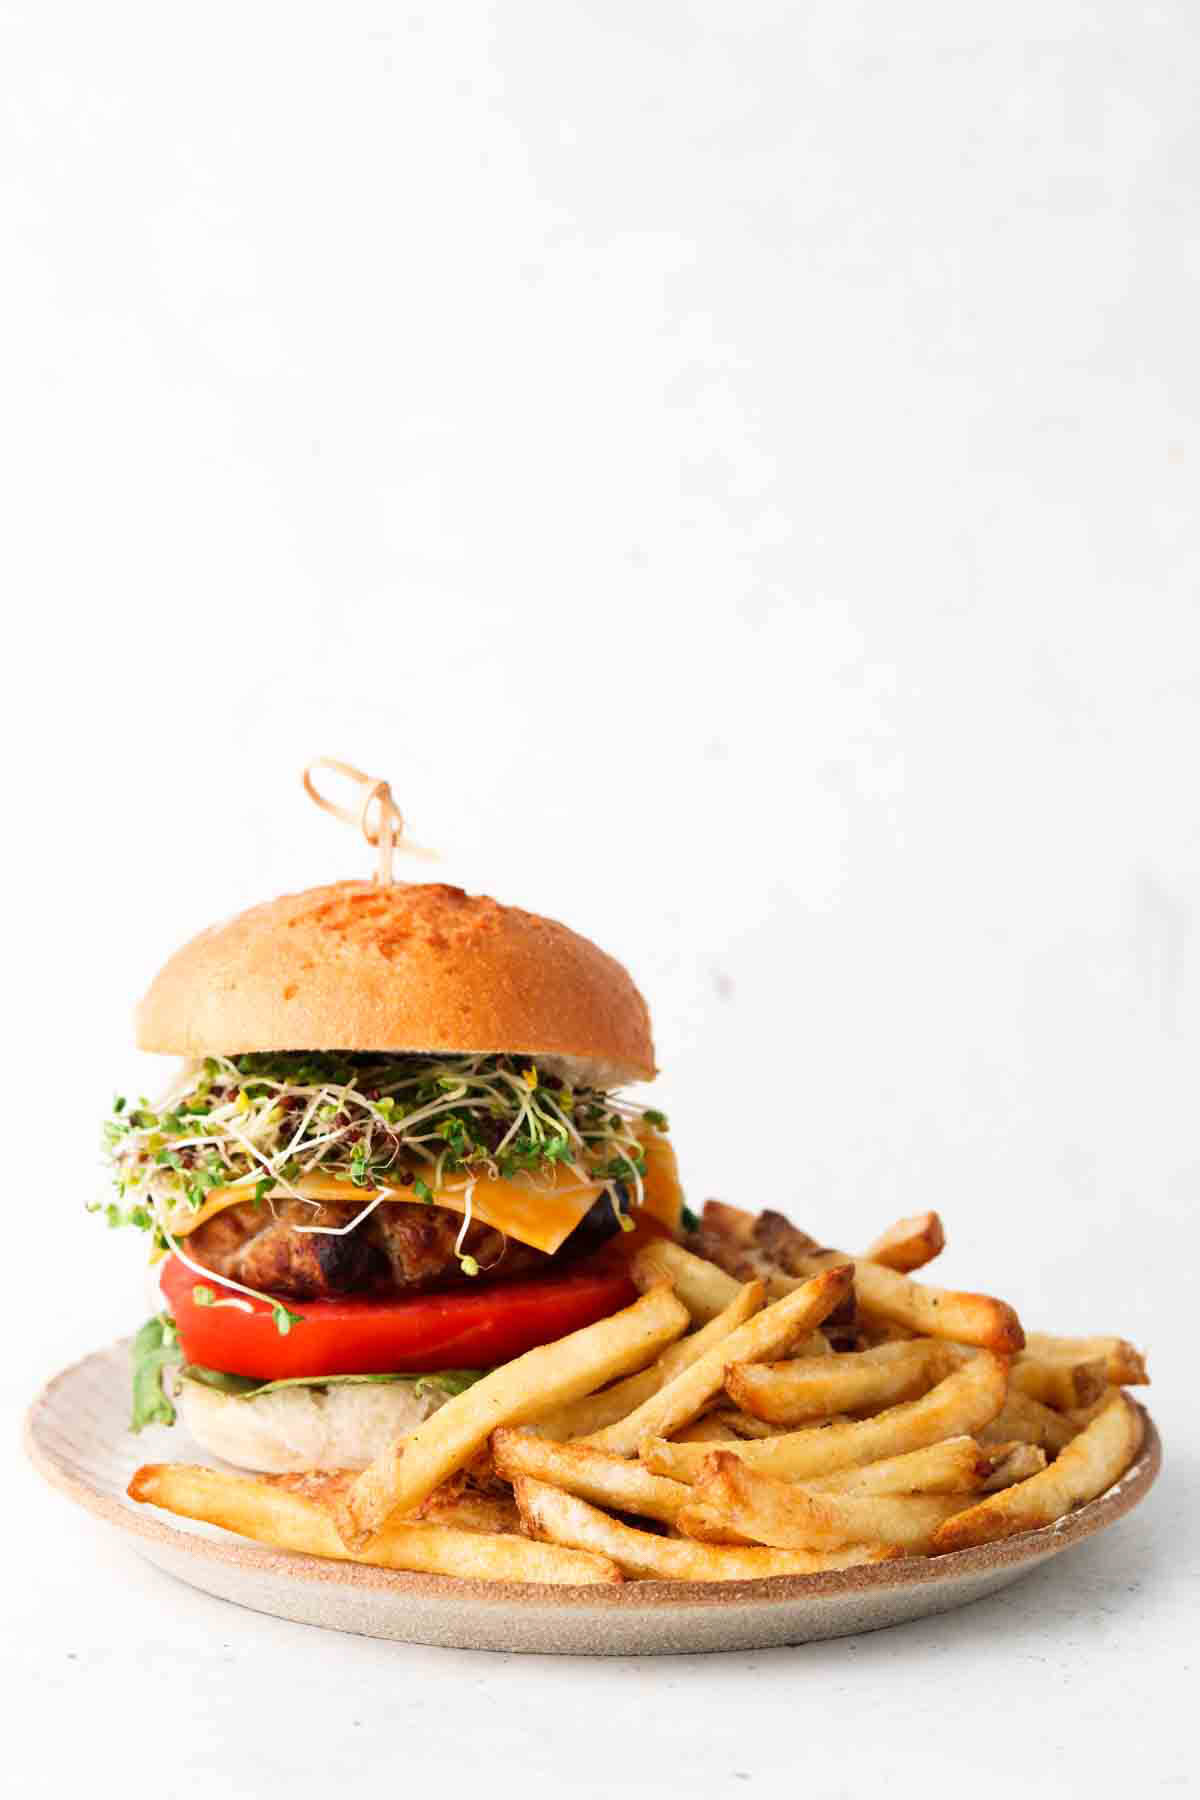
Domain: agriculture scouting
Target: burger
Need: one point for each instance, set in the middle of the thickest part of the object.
(394, 1155)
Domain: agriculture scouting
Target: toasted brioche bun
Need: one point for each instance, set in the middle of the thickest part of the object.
(410, 967)
(303, 1428)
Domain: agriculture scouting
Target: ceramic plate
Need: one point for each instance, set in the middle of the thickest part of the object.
(77, 1438)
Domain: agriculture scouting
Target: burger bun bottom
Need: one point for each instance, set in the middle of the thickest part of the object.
(296, 1429)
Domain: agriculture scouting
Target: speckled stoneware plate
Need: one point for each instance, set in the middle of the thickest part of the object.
(77, 1438)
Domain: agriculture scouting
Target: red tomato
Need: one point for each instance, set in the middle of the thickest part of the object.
(472, 1327)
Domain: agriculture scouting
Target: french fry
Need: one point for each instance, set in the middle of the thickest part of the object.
(711, 1428)
(470, 1512)
(741, 1424)
(261, 1508)
(1081, 1416)
(955, 1466)
(1011, 1463)
(594, 1475)
(962, 1403)
(704, 1289)
(732, 1224)
(1091, 1462)
(726, 1241)
(767, 1406)
(705, 1525)
(1059, 1382)
(908, 1244)
(596, 1411)
(564, 1519)
(978, 1319)
(893, 1306)
(768, 1333)
(778, 1286)
(873, 1332)
(515, 1393)
(698, 1274)
(1031, 1422)
(790, 1517)
(1124, 1366)
(792, 1393)
(321, 1486)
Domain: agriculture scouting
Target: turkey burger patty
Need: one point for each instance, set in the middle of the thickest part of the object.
(402, 1247)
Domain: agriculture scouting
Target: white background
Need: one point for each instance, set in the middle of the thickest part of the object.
(734, 468)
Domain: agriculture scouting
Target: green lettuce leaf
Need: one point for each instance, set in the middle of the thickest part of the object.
(445, 1381)
(155, 1349)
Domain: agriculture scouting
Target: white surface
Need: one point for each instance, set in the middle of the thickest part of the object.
(735, 470)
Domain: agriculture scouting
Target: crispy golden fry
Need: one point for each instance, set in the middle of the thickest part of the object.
(955, 1466)
(1081, 1416)
(596, 1411)
(742, 1425)
(914, 1404)
(873, 1332)
(1011, 1463)
(892, 1305)
(1124, 1366)
(728, 1236)
(323, 1486)
(564, 1519)
(1059, 1383)
(978, 1319)
(711, 1429)
(515, 1393)
(705, 1525)
(594, 1475)
(768, 1333)
(733, 1224)
(1090, 1463)
(908, 1244)
(688, 1350)
(790, 1517)
(963, 1402)
(1031, 1422)
(792, 1393)
(767, 1499)
(704, 1289)
(290, 1519)
(469, 1511)
(728, 1244)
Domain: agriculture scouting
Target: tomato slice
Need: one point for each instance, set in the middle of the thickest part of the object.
(472, 1327)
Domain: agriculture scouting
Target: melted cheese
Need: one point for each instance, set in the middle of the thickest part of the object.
(535, 1211)
(662, 1193)
(531, 1209)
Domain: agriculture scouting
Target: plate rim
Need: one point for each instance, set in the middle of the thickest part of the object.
(1027, 1547)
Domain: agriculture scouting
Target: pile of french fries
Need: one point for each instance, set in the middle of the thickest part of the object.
(766, 1407)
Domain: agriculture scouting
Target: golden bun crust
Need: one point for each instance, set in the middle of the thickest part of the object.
(413, 966)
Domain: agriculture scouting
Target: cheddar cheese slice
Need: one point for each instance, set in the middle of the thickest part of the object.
(541, 1210)
(533, 1209)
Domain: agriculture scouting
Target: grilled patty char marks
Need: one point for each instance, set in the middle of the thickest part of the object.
(401, 1247)
(418, 1243)
(259, 1248)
